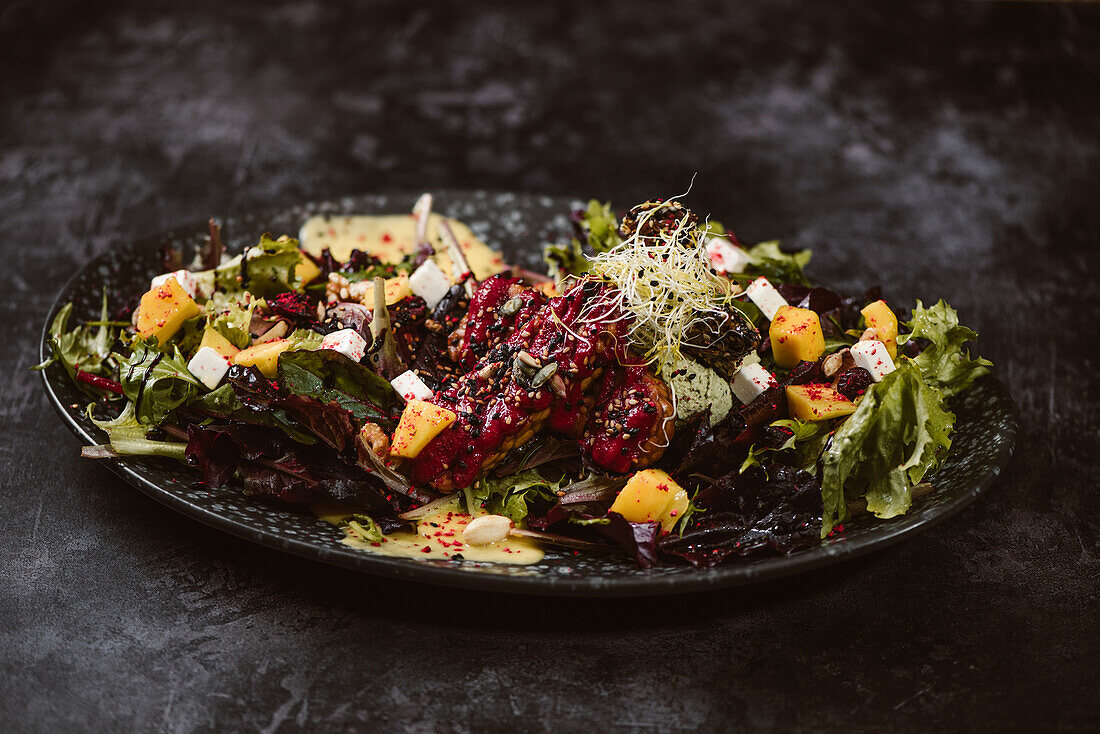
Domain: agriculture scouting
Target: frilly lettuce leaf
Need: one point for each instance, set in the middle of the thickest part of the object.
(565, 259)
(777, 266)
(511, 495)
(231, 316)
(899, 433)
(807, 439)
(945, 363)
(601, 226)
(304, 340)
(263, 270)
(84, 346)
(601, 230)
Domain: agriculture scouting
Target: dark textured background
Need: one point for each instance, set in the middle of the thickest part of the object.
(942, 150)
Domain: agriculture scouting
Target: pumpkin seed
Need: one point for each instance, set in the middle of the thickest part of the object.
(512, 306)
(543, 375)
(522, 372)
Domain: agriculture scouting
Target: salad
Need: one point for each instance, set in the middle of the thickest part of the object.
(665, 391)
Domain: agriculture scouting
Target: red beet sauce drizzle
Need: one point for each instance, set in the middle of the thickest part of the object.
(496, 401)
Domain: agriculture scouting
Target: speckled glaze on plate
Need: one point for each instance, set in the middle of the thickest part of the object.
(517, 224)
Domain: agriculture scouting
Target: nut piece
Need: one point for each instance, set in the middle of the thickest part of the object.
(869, 334)
(832, 364)
(487, 529)
(372, 438)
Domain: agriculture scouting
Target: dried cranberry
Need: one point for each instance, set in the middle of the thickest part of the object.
(359, 260)
(767, 406)
(326, 262)
(774, 436)
(804, 373)
(853, 382)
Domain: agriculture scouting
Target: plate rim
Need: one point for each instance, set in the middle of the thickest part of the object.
(726, 575)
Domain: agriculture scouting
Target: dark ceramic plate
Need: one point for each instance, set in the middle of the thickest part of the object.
(517, 224)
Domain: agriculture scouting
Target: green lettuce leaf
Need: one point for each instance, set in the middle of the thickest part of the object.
(263, 270)
(383, 270)
(219, 401)
(777, 266)
(512, 495)
(566, 259)
(601, 226)
(806, 440)
(331, 377)
(304, 340)
(601, 229)
(899, 433)
(85, 346)
(231, 316)
(156, 382)
(713, 228)
(363, 527)
(946, 363)
(127, 436)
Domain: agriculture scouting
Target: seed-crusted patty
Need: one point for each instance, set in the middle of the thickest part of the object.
(499, 304)
(549, 373)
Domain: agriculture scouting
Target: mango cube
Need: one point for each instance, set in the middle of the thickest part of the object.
(420, 422)
(879, 317)
(796, 336)
(213, 338)
(651, 495)
(164, 309)
(306, 270)
(817, 403)
(264, 357)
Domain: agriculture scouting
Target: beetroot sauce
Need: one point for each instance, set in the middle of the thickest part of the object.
(510, 394)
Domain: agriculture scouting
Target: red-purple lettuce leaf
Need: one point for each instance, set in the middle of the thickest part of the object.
(774, 508)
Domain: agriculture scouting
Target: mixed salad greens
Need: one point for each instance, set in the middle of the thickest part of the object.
(666, 390)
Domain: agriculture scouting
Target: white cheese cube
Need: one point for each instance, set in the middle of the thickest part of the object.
(183, 277)
(409, 386)
(766, 297)
(725, 256)
(208, 366)
(872, 356)
(750, 381)
(347, 342)
(750, 358)
(430, 283)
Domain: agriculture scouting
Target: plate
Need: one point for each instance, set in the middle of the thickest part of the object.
(517, 224)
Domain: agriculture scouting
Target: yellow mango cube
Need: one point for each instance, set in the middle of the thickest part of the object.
(396, 288)
(164, 309)
(213, 338)
(420, 422)
(651, 495)
(264, 357)
(879, 317)
(796, 336)
(817, 403)
(306, 270)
